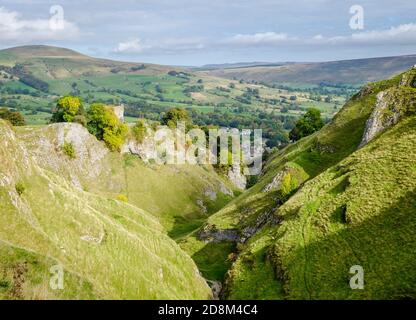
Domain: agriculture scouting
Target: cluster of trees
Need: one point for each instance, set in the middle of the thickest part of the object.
(21, 91)
(25, 77)
(195, 88)
(99, 119)
(15, 118)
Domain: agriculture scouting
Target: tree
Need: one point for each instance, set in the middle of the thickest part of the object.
(310, 122)
(15, 118)
(68, 109)
(175, 115)
(104, 124)
(139, 130)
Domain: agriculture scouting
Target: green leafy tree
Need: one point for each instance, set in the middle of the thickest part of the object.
(68, 109)
(175, 115)
(139, 130)
(106, 126)
(309, 123)
(15, 118)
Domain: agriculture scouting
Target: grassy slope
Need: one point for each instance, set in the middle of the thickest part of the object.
(125, 252)
(303, 160)
(312, 249)
(360, 212)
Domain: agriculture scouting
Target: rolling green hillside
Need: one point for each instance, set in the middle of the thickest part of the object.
(324, 205)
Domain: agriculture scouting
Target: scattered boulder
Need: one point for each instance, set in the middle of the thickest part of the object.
(210, 194)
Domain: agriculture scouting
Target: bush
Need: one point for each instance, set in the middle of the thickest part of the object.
(122, 198)
(68, 109)
(104, 124)
(69, 150)
(15, 118)
(20, 188)
(139, 131)
(81, 119)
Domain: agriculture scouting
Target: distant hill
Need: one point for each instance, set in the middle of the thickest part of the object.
(49, 63)
(239, 65)
(355, 72)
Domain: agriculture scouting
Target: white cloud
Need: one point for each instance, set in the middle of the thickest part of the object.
(131, 46)
(168, 45)
(265, 38)
(15, 29)
(403, 34)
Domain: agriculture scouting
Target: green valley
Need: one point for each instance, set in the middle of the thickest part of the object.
(83, 193)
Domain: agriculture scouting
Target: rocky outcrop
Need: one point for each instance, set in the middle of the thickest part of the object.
(145, 149)
(216, 288)
(119, 111)
(225, 190)
(202, 206)
(236, 177)
(276, 182)
(391, 105)
(261, 221)
(45, 146)
(375, 123)
(209, 233)
(210, 194)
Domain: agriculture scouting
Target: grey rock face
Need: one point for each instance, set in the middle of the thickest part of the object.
(225, 190)
(378, 120)
(209, 233)
(201, 204)
(210, 194)
(45, 147)
(145, 150)
(276, 182)
(236, 177)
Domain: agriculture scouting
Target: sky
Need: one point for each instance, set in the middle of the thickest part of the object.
(194, 33)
